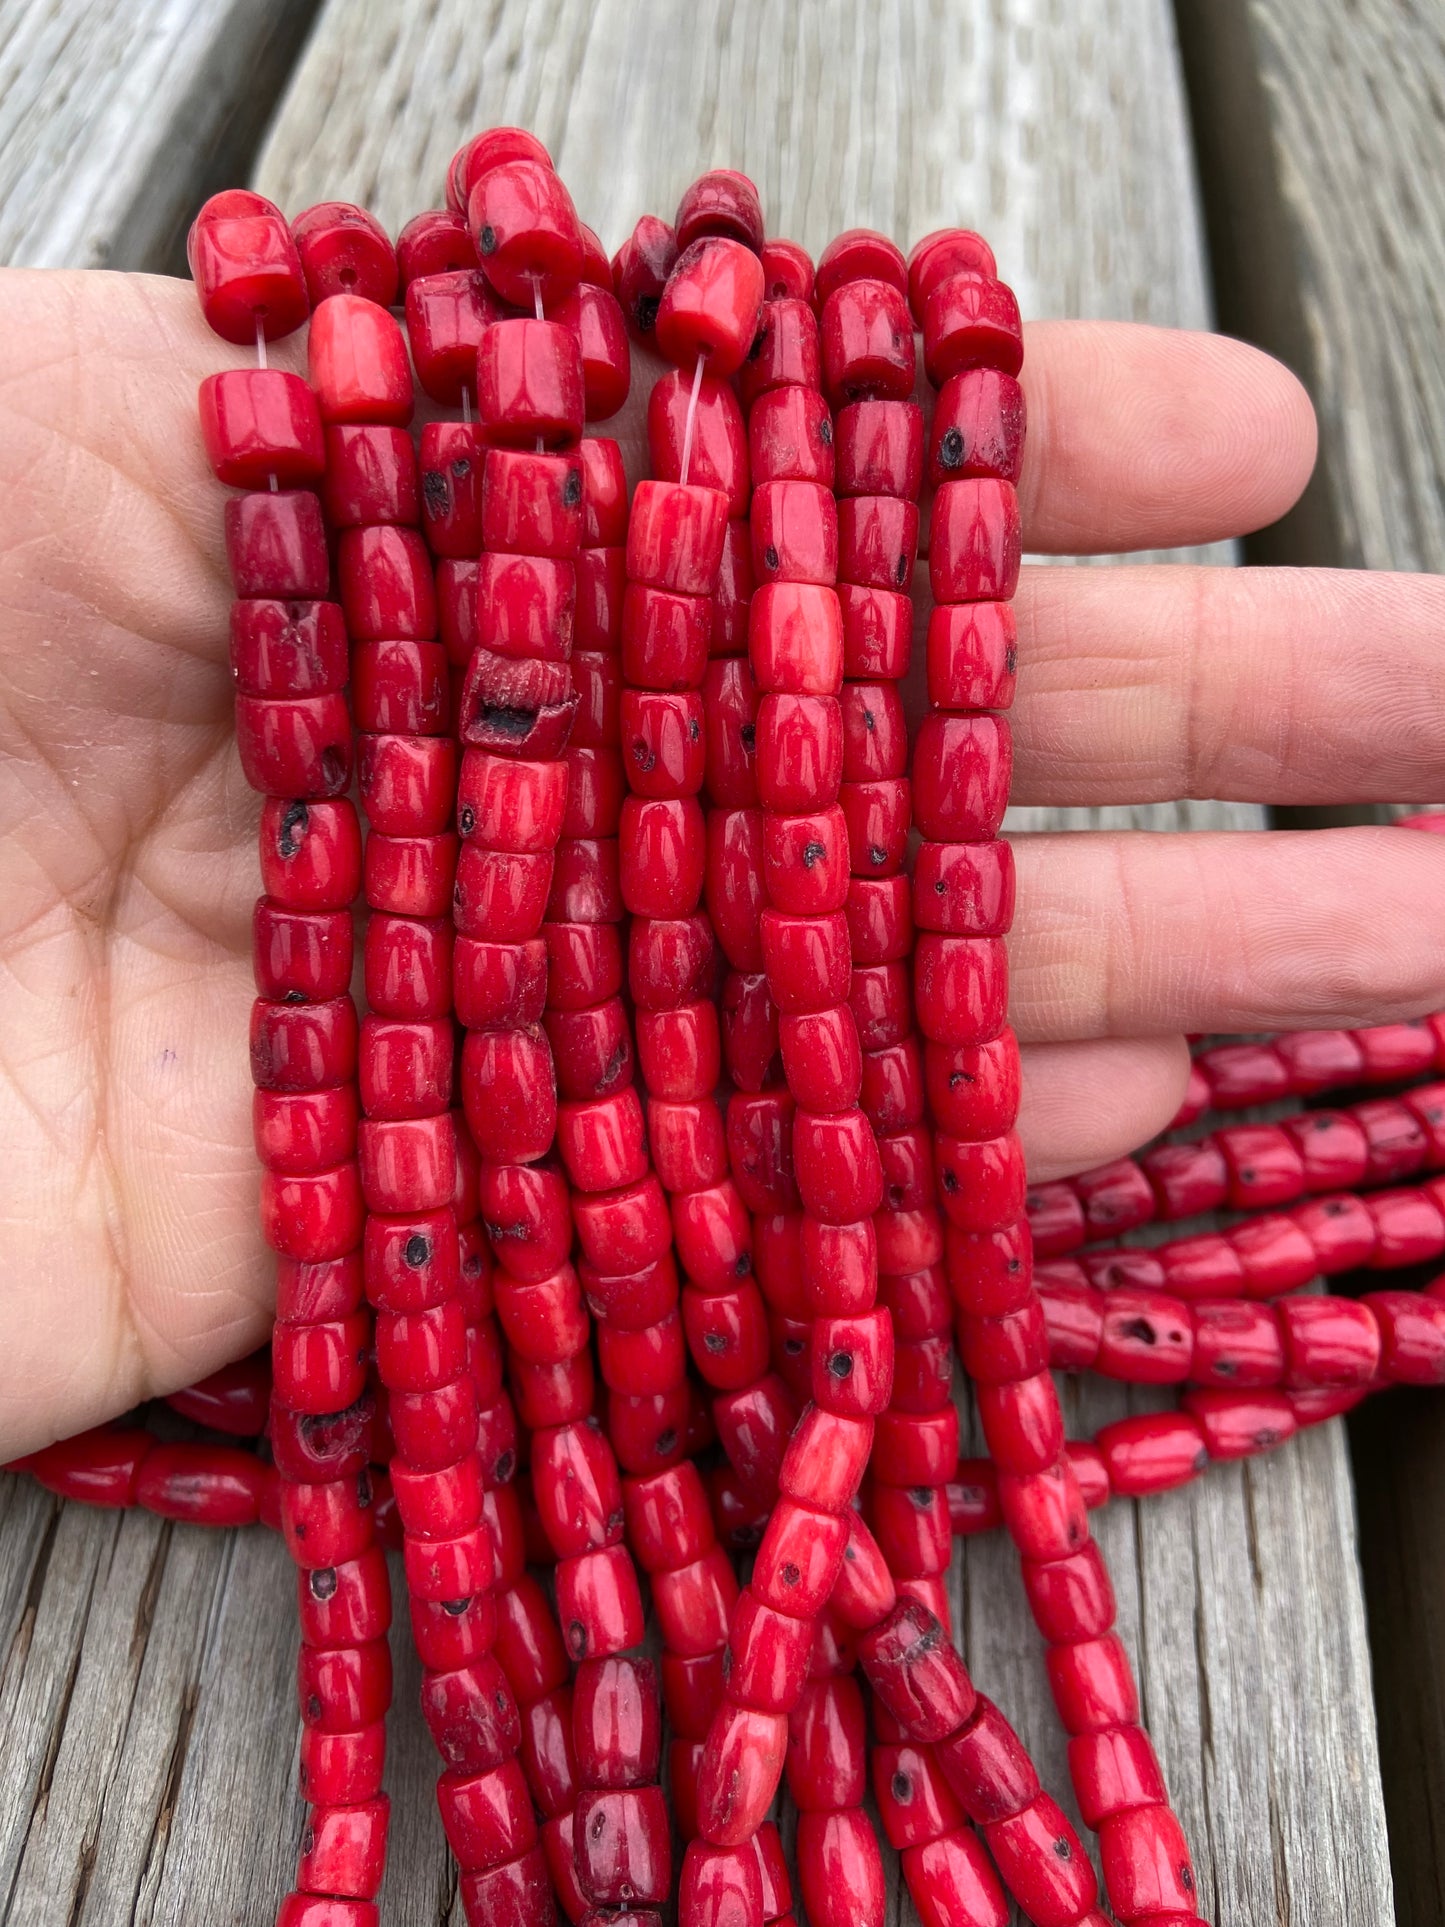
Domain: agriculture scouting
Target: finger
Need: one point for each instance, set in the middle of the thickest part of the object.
(1153, 438)
(1087, 1103)
(1264, 685)
(1140, 935)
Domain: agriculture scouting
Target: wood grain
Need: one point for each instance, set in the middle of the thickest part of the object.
(118, 117)
(1059, 127)
(1321, 128)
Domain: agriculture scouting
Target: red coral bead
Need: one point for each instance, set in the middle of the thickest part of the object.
(447, 313)
(917, 1673)
(717, 445)
(529, 383)
(787, 271)
(487, 1817)
(260, 422)
(483, 152)
(827, 1746)
(971, 320)
(247, 271)
(721, 1885)
(595, 318)
(290, 648)
(617, 1722)
(437, 241)
(623, 1846)
(942, 254)
(1043, 1864)
(799, 1558)
(977, 428)
(357, 362)
(840, 1869)
(867, 338)
(529, 240)
(1147, 1869)
(972, 656)
(598, 1603)
(742, 1764)
(974, 542)
(711, 305)
(343, 249)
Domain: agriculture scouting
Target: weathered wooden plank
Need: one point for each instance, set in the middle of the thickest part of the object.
(1058, 128)
(1321, 130)
(118, 117)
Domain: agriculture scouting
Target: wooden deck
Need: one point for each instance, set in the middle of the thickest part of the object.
(146, 1671)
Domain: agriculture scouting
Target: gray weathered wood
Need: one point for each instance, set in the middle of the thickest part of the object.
(1321, 126)
(118, 117)
(1060, 130)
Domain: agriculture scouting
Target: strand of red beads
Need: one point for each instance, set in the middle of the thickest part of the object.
(804, 862)
(1151, 1338)
(869, 369)
(515, 703)
(839, 1862)
(1155, 1452)
(1306, 1063)
(698, 451)
(1273, 1253)
(532, 522)
(1132, 1458)
(1247, 1167)
(973, 351)
(263, 433)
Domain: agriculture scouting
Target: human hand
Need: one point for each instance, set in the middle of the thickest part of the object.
(128, 1230)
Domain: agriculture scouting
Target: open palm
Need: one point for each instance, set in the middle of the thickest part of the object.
(129, 1256)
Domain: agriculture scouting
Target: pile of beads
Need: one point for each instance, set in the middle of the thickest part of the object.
(637, 1225)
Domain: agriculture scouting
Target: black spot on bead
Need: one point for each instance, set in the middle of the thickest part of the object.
(770, 556)
(293, 828)
(1141, 1330)
(667, 1441)
(714, 1342)
(646, 314)
(417, 1250)
(333, 768)
(467, 820)
(949, 1181)
(900, 570)
(793, 1347)
(840, 1364)
(294, 997)
(323, 1582)
(456, 1607)
(313, 1706)
(748, 737)
(576, 1639)
(572, 488)
(1063, 1849)
(694, 729)
(813, 852)
(462, 467)
(742, 1265)
(825, 434)
(436, 491)
(487, 240)
(955, 1078)
(921, 1496)
(950, 449)
(901, 1787)
(790, 1574)
(868, 722)
(1011, 658)
(363, 1488)
(1186, 1876)
(506, 1465)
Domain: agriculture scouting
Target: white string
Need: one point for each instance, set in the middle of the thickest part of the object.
(261, 363)
(692, 414)
(537, 304)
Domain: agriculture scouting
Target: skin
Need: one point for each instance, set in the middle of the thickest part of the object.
(131, 1258)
